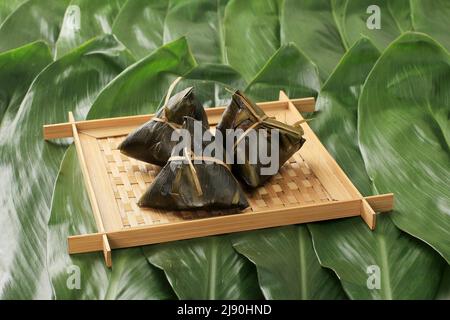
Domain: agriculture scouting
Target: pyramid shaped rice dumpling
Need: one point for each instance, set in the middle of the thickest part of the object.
(190, 181)
(151, 142)
(245, 115)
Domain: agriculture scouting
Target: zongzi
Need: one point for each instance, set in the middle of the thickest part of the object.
(195, 177)
(260, 145)
(151, 142)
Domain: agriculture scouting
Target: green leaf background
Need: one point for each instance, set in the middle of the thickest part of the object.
(383, 110)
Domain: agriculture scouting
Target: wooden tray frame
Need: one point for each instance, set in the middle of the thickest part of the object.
(348, 201)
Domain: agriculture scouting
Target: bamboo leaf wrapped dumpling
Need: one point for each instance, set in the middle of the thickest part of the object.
(238, 120)
(151, 142)
(195, 181)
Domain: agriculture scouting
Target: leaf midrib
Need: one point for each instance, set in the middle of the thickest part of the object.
(212, 274)
(302, 265)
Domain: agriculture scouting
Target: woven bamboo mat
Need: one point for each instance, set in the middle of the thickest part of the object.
(294, 185)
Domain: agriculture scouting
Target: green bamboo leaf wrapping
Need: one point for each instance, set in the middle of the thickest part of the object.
(287, 264)
(348, 246)
(86, 19)
(33, 20)
(252, 34)
(289, 70)
(205, 268)
(311, 25)
(431, 17)
(131, 276)
(404, 135)
(67, 84)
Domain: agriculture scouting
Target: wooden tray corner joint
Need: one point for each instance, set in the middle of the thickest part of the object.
(309, 187)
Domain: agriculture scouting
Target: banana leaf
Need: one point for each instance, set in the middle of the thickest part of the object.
(29, 165)
(287, 264)
(6, 7)
(252, 34)
(210, 81)
(404, 135)
(20, 65)
(311, 25)
(131, 276)
(32, 20)
(154, 23)
(18, 68)
(355, 21)
(140, 25)
(86, 19)
(347, 246)
(201, 22)
(444, 289)
(335, 121)
(73, 215)
(205, 268)
(289, 70)
(431, 17)
(141, 88)
(401, 12)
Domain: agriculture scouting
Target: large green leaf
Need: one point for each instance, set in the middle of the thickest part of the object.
(356, 21)
(201, 22)
(29, 165)
(404, 135)
(444, 289)
(354, 252)
(140, 88)
(18, 68)
(31, 21)
(336, 119)
(210, 81)
(6, 7)
(287, 264)
(347, 246)
(252, 34)
(289, 70)
(401, 12)
(131, 276)
(86, 19)
(311, 25)
(431, 17)
(205, 268)
(154, 23)
(140, 25)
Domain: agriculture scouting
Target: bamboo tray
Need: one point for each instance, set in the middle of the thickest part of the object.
(309, 187)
